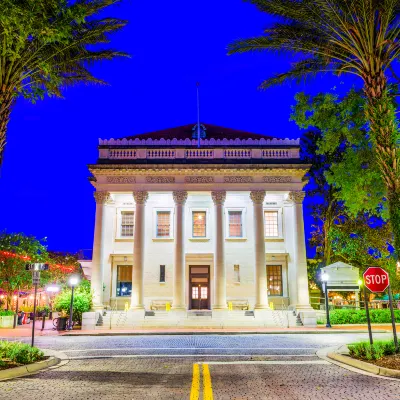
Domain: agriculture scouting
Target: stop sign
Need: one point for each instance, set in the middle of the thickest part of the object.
(376, 279)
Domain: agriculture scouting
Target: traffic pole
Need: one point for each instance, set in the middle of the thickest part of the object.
(371, 341)
(396, 345)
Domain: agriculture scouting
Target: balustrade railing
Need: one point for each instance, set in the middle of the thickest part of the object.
(122, 154)
(237, 153)
(199, 153)
(275, 153)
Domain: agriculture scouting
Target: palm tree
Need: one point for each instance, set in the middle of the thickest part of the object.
(360, 37)
(47, 45)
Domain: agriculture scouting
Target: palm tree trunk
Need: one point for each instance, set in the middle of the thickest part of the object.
(6, 103)
(382, 117)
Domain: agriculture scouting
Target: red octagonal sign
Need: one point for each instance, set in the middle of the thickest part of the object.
(376, 279)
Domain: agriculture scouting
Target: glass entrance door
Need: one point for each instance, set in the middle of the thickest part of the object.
(199, 288)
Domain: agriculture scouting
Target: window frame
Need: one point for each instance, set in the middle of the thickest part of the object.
(171, 223)
(281, 284)
(279, 212)
(208, 228)
(165, 274)
(244, 231)
(116, 283)
(118, 235)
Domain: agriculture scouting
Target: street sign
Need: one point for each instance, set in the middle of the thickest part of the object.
(35, 277)
(37, 267)
(376, 279)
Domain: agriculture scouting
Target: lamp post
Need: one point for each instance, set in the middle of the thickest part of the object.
(324, 278)
(73, 281)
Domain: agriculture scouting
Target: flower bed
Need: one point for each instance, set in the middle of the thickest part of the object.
(14, 354)
(381, 353)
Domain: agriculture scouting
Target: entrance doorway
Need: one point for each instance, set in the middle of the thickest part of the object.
(199, 287)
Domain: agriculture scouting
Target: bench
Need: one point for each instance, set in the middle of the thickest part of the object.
(160, 305)
(238, 305)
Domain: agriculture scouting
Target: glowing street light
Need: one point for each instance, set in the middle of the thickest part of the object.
(324, 279)
(72, 281)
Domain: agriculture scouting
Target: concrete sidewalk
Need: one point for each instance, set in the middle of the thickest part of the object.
(26, 330)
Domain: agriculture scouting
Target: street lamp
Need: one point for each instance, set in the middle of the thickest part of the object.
(72, 281)
(324, 278)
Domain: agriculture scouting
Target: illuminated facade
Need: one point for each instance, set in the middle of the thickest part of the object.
(215, 224)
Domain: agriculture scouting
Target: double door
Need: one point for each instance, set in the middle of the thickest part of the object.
(199, 288)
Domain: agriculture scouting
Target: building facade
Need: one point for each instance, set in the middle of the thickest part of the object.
(214, 223)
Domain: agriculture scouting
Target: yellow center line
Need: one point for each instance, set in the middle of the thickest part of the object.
(207, 386)
(195, 391)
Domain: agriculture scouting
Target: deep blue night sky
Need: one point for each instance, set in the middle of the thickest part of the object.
(43, 185)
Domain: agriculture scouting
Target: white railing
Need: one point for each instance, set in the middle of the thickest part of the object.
(161, 153)
(199, 153)
(122, 154)
(237, 153)
(276, 153)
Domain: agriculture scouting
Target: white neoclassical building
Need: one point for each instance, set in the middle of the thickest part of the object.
(191, 231)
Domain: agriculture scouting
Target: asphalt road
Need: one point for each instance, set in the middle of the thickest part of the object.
(207, 367)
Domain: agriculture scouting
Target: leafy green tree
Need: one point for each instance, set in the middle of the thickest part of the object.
(16, 250)
(82, 300)
(48, 45)
(358, 37)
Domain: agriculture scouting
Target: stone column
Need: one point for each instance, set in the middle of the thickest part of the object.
(138, 251)
(219, 263)
(97, 257)
(299, 255)
(258, 196)
(179, 302)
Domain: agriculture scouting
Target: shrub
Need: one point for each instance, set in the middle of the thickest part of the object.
(347, 316)
(6, 313)
(19, 353)
(376, 351)
(82, 300)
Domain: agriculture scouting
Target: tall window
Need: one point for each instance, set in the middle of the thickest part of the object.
(199, 224)
(163, 224)
(162, 273)
(127, 223)
(235, 224)
(274, 279)
(271, 223)
(124, 280)
(236, 272)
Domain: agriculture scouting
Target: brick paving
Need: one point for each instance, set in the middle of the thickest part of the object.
(138, 367)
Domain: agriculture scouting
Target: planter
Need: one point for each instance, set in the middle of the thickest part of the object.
(62, 323)
(7, 321)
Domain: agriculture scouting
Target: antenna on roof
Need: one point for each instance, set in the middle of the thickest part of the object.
(198, 114)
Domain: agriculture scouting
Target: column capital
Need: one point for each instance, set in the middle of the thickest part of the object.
(257, 196)
(218, 197)
(140, 196)
(296, 196)
(180, 196)
(102, 197)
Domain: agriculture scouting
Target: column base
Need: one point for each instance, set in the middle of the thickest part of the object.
(97, 307)
(219, 308)
(179, 308)
(261, 307)
(137, 308)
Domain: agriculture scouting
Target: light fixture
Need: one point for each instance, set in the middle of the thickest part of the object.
(360, 282)
(73, 280)
(53, 289)
(324, 277)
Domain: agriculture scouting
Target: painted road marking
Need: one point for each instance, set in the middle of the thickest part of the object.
(207, 385)
(195, 390)
(194, 348)
(187, 355)
(271, 362)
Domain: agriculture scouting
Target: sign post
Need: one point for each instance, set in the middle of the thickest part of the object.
(396, 345)
(35, 268)
(376, 279)
(371, 341)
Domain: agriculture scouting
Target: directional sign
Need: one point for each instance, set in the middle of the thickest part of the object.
(376, 279)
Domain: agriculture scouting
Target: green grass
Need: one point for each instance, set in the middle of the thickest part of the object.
(368, 352)
(19, 353)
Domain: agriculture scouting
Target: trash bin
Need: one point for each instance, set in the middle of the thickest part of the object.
(62, 323)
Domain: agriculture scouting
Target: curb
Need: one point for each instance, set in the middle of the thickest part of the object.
(166, 333)
(371, 368)
(56, 359)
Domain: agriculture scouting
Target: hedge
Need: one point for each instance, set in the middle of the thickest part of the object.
(19, 353)
(6, 313)
(376, 351)
(346, 316)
